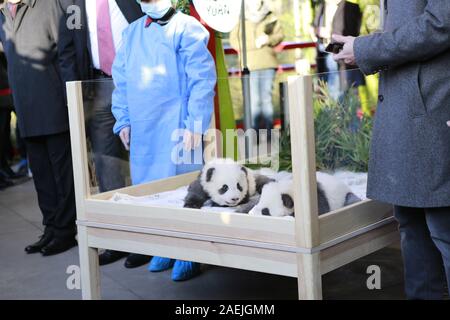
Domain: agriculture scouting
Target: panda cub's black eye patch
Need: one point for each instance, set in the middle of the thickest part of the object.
(223, 189)
(287, 201)
(239, 187)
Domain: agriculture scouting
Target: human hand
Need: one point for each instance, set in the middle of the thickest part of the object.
(347, 54)
(261, 41)
(191, 140)
(125, 137)
(448, 123)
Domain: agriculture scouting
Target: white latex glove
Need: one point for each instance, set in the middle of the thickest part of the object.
(448, 123)
(125, 137)
(261, 41)
(191, 140)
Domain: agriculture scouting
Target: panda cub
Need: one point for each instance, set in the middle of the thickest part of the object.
(277, 197)
(224, 183)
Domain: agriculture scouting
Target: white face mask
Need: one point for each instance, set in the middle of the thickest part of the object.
(156, 10)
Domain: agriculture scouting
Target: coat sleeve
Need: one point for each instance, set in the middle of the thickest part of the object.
(277, 35)
(66, 44)
(119, 96)
(201, 77)
(422, 38)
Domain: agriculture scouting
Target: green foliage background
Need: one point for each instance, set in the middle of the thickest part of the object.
(342, 138)
(183, 5)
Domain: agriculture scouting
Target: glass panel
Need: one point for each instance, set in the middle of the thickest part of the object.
(108, 161)
(343, 103)
(157, 146)
(343, 123)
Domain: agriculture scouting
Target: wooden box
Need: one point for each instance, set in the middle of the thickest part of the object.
(304, 248)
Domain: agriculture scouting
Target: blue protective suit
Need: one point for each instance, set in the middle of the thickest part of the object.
(164, 81)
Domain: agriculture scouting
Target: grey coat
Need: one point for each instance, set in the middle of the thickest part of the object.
(410, 152)
(30, 46)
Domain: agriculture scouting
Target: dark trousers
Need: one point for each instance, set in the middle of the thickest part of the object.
(5, 122)
(110, 158)
(51, 164)
(425, 241)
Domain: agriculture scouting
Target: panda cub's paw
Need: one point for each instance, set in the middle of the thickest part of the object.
(248, 206)
(196, 196)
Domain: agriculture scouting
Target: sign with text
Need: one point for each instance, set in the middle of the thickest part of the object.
(221, 15)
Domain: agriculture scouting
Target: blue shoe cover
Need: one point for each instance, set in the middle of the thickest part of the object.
(159, 264)
(185, 270)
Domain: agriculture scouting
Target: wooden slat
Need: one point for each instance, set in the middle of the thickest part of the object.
(303, 161)
(90, 269)
(78, 144)
(349, 219)
(353, 249)
(158, 186)
(226, 224)
(305, 190)
(253, 259)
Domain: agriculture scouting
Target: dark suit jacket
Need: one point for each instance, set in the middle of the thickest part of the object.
(29, 42)
(75, 44)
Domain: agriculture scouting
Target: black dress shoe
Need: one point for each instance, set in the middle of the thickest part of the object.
(43, 241)
(7, 173)
(136, 260)
(110, 256)
(58, 245)
(5, 183)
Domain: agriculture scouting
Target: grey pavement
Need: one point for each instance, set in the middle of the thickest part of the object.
(25, 276)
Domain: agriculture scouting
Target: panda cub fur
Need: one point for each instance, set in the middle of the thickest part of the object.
(277, 197)
(225, 183)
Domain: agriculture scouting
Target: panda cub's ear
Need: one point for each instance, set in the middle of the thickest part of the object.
(261, 181)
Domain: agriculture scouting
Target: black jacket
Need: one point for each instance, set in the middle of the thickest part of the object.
(74, 43)
(29, 42)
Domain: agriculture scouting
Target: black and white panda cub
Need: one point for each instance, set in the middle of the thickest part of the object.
(277, 197)
(225, 183)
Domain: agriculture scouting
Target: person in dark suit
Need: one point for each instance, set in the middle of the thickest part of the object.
(92, 49)
(29, 33)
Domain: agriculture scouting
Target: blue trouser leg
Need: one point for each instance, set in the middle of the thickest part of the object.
(266, 88)
(110, 159)
(425, 242)
(255, 97)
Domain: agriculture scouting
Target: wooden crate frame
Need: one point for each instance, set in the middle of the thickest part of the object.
(304, 248)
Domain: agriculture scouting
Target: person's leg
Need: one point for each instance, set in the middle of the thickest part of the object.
(3, 132)
(332, 76)
(109, 154)
(45, 187)
(3, 145)
(22, 169)
(59, 151)
(438, 220)
(266, 89)
(255, 98)
(422, 260)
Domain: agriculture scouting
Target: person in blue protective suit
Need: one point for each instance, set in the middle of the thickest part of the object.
(163, 100)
